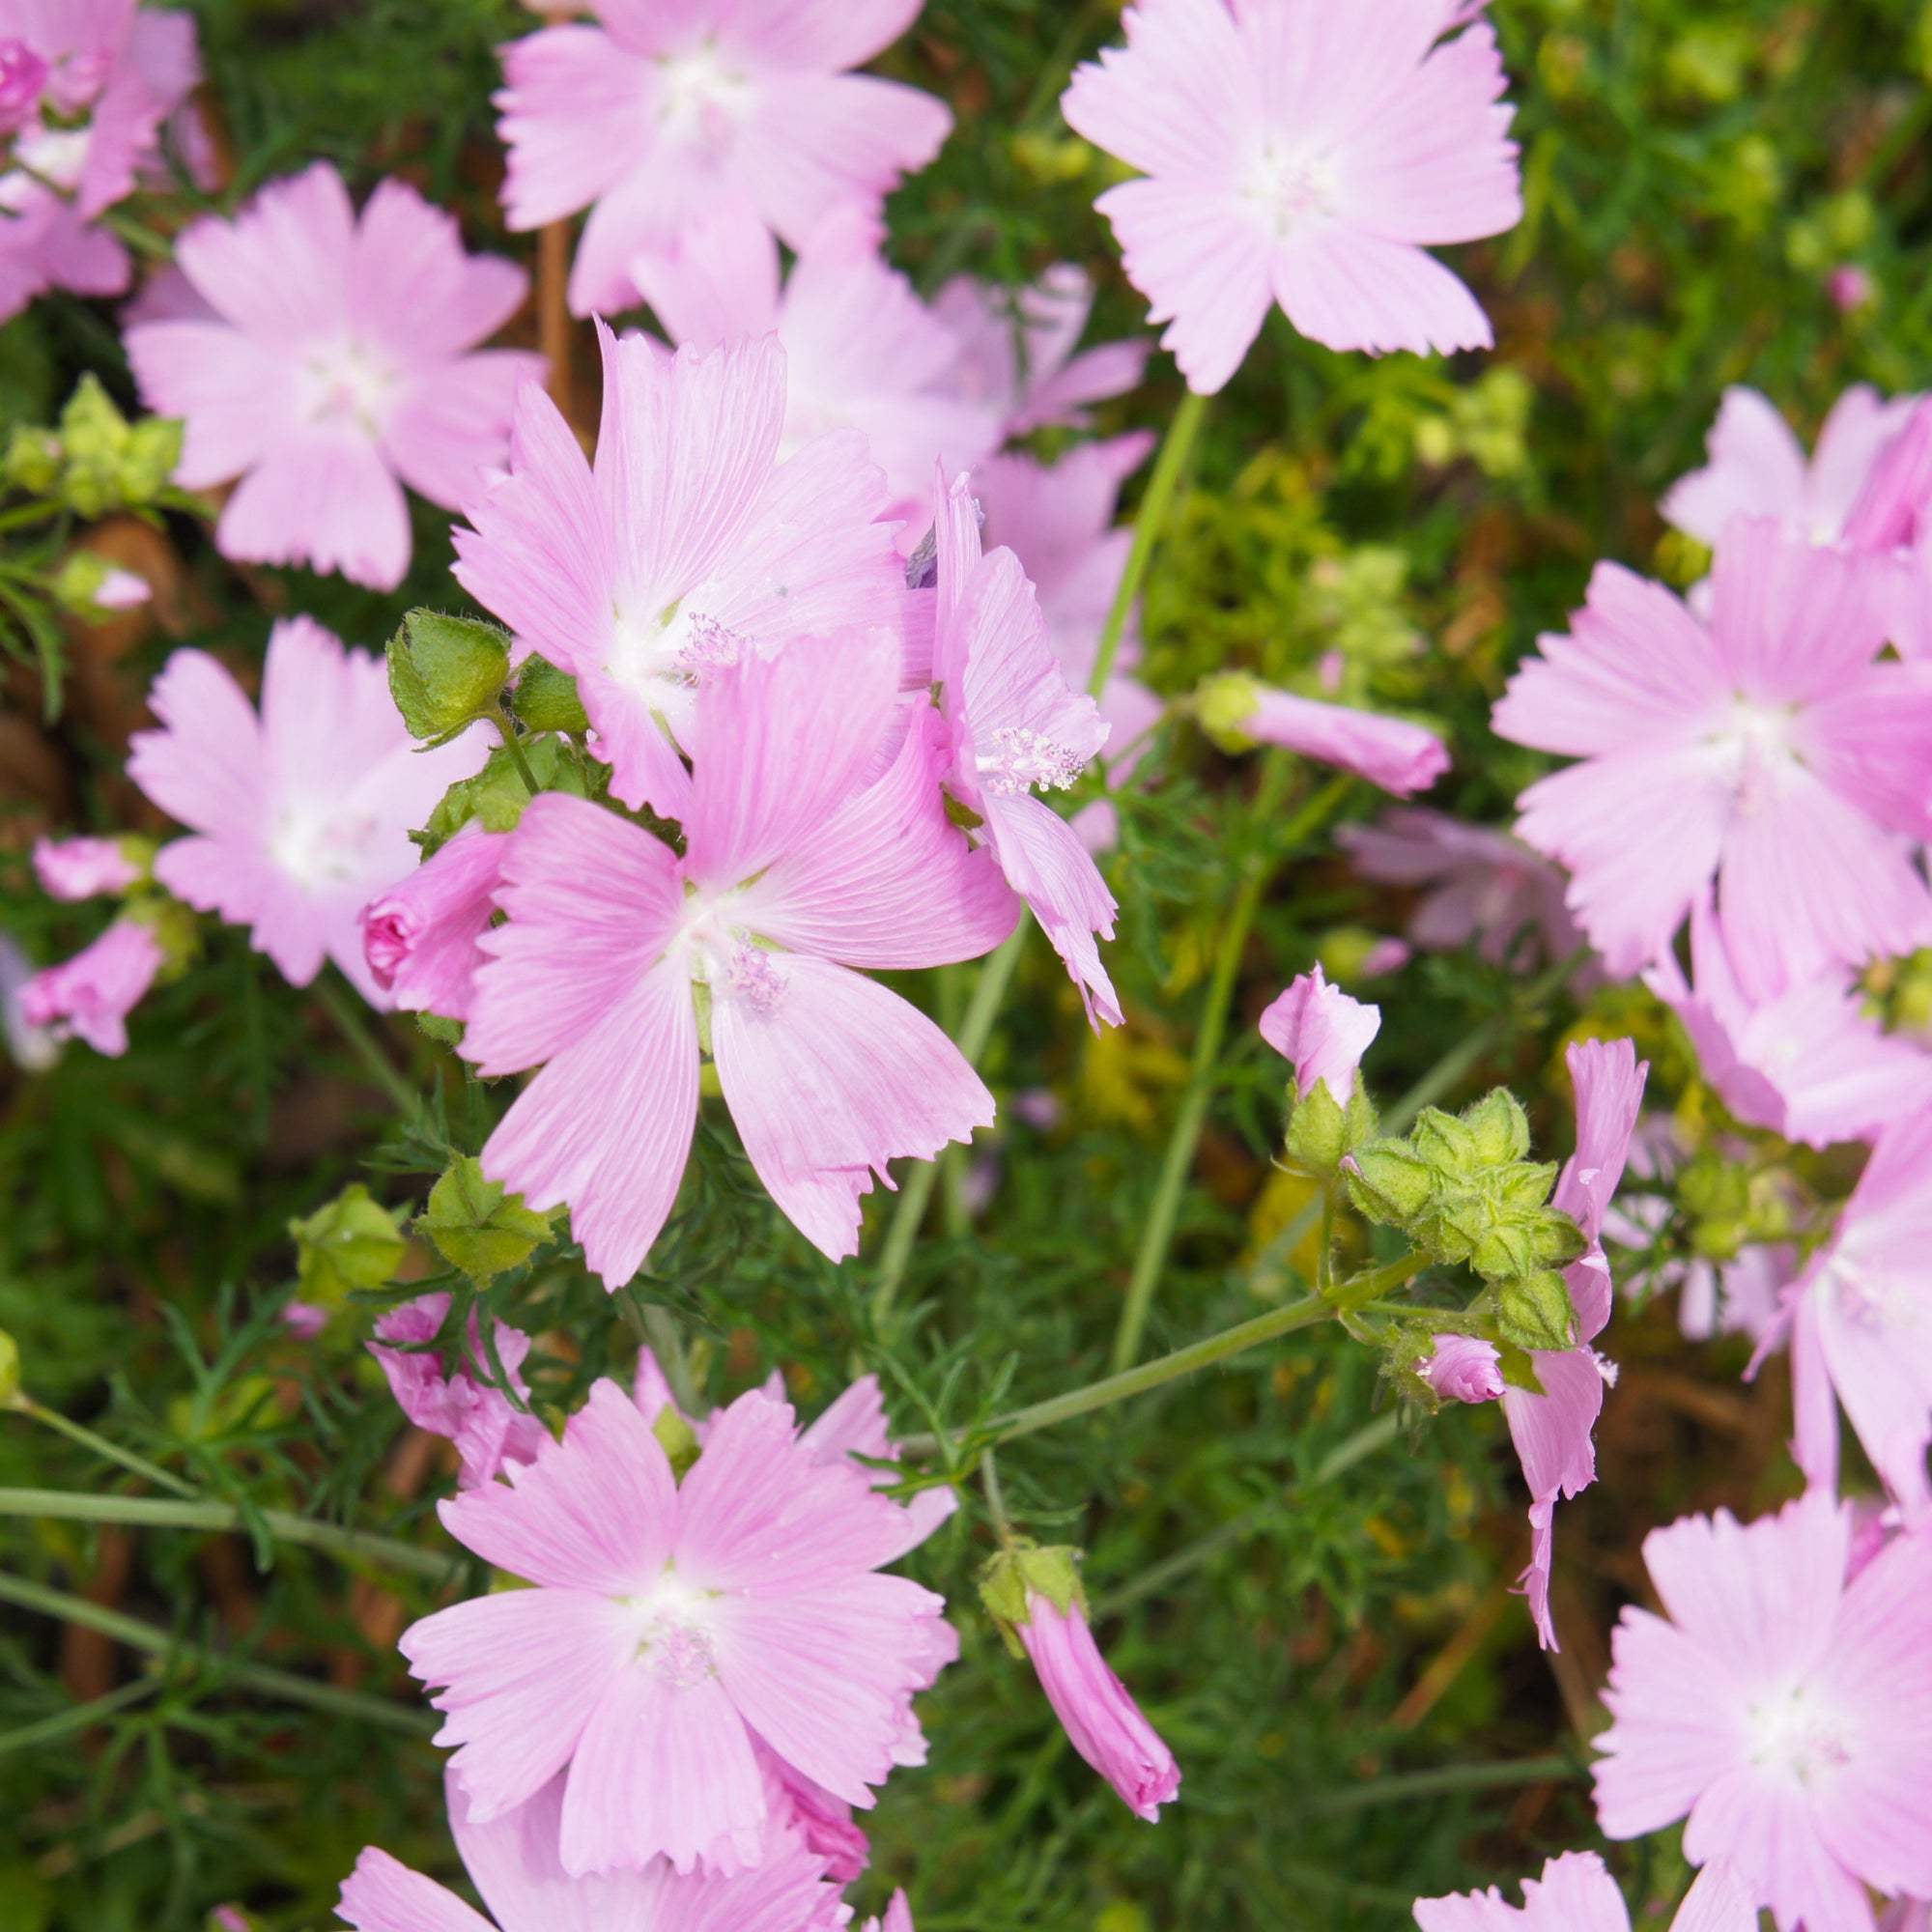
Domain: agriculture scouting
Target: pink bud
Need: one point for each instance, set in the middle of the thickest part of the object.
(1387, 956)
(420, 936)
(1464, 1369)
(1852, 287)
(304, 1321)
(93, 993)
(1389, 751)
(82, 869)
(1102, 1721)
(1323, 1031)
(24, 74)
(121, 590)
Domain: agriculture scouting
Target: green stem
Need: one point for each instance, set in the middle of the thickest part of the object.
(284, 1525)
(1362, 1289)
(916, 1192)
(1264, 856)
(996, 1502)
(667, 1343)
(353, 1028)
(1175, 450)
(77, 1717)
(283, 1685)
(1447, 1781)
(508, 734)
(75, 1432)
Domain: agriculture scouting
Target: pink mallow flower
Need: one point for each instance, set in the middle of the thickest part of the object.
(1785, 1713)
(1464, 1368)
(1391, 753)
(325, 362)
(862, 350)
(688, 544)
(1295, 157)
(660, 119)
(1577, 1895)
(1807, 1065)
(796, 869)
(1103, 1721)
(1481, 887)
(463, 1404)
(1012, 724)
(421, 937)
(512, 1859)
(93, 993)
(86, 87)
(1323, 1031)
(668, 1627)
(83, 868)
(1861, 1325)
(1770, 751)
(302, 814)
(1553, 1431)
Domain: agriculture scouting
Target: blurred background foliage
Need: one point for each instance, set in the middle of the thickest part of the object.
(1317, 1620)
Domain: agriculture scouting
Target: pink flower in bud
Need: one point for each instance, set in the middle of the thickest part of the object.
(420, 936)
(23, 74)
(93, 993)
(1464, 1368)
(304, 1321)
(488, 1430)
(1852, 286)
(121, 590)
(1323, 1031)
(82, 869)
(1103, 1722)
(1577, 1895)
(1386, 956)
(1399, 757)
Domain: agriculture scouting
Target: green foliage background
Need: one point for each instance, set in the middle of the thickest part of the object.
(1694, 175)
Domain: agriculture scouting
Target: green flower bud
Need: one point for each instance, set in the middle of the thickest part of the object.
(476, 1226)
(1021, 1569)
(1224, 704)
(1525, 1240)
(354, 1242)
(33, 459)
(546, 699)
(679, 1440)
(1391, 1183)
(10, 1370)
(1499, 1128)
(1535, 1312)
(151, 459)
(446, 673)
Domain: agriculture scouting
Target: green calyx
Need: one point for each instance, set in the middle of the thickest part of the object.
(352, 1242)
(477, 1227)
(495, 797)
(1321, 1132)
(1534, 1311)
(1223, 704)
(1022, 1570)
(98, 461)
(446, 673)
(546, 699)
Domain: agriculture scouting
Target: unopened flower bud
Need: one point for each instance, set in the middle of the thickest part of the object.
(547, 699)
(445, 672)
(23, 74)
(478, 1228)
(1323, 1031)
(1535, 1312)
(421, 937)
(90, 586)
(84, 868)
(352, 1242)
(33, 459)
(1464, 1368)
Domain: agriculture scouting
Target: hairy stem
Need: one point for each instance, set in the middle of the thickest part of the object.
(513, 744)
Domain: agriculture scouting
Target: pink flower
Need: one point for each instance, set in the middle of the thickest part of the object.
(331, 358)
(302, 814)
(660, 120)
(898, 1919)
(793, 863)
(1293, 157)
(1323, 1031)
(1391, 753)
(421, 937)
(1852, 286)
(1758, 469)
(1576, 1894)
(1786, 1714)
(1769, 751)
(512, 1858)
(1011, 725)
(93, 993)
(1464, 1368)
(1016, 351)
(1553, 1431)
(862, 350)
(475, 1414)
(1861, 1325)
(85, 89)
(685, 546)
(1807, 1065)
(83, 868)
(668, 1627)
(1103, 1721)
(1483, 886)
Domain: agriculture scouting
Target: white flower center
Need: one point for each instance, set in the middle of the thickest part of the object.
(1020, 759)
(1756, 745)
(1877, 1303)
(725, 958)
(319, 851)
(701, 101)
(676, 1635)
(1293, 187)
(661, 656)
(1791, 1731)
(347, 385)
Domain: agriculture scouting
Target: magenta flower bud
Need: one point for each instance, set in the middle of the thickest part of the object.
(1101, 1718)
(93, 993)
(82, 869)
(1323, 1031)
(420, 936)
(1389, 751)
(23, 74)
(1464, 1369)
(1387, 956)
(1852, 287)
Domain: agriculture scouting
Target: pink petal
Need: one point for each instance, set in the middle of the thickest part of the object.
(1757, 468)
(381, 1896)
(452, 423)
(1720, 1901)
(1045, 862)
(1351, 290)
(279, 270)
(204, 766)
(421, 937)
(1323, 1031)
(824, 34)
(237, 396)
(1389, 751)
(1552, 1437)
(570, 122)
(324, 498)
(1870, 740)
(414, 289)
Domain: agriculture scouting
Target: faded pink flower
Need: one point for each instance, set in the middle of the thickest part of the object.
(331, 361)
(1464, 1368)
(660, 120)
(862, 350)
(464, 1404)
(86, 87)
(513, 1862)
(687, 545)
(1012, 724)
(1807, 1065)
(1553, 1431)
(1391, 753)
(1293, 157)
(1482, 887)
(1861, 1325)
(421, 937)
(1103, 1721)
(93, 993)
(301, 813)
(669, 1625)
(1786, 1714)
(1323, 1031)
(1770, 751)
(793, 861)
(1577, 1895)
(83, 868)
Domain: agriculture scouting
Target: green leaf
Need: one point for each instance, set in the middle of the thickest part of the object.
(445, 672)
(495, 797)
(478, 1228)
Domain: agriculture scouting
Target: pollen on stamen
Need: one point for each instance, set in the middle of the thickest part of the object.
(758, 979)
(708, 646)
(1021, 759)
